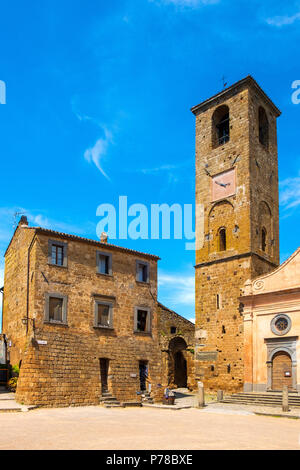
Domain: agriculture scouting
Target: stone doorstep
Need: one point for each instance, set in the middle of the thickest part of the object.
(168, 407)
(15, 407)
(7, 396)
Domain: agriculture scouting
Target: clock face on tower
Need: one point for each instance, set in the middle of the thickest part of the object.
(223, 185)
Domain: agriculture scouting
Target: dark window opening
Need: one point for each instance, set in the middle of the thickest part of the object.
(263, 239)
(57, 255)
(222, 239)
(221, 126)
(228, 369)
(263, 127)
(223, 130)
(212, 368)
(142, 320)
(142, 272)
(218, 301)
(173, 330)
(103, 264)
(223, 329)
(103, 317)
(55, 309)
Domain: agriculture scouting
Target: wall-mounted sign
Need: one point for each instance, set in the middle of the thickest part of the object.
(133, 375)
(39, 341)
(207, 356)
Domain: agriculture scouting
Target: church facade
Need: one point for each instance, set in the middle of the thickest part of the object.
(271, 329)
(237, 226)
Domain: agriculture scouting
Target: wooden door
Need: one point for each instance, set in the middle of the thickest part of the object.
(282, 371)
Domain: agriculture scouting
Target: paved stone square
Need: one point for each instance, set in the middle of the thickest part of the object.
(144, 428)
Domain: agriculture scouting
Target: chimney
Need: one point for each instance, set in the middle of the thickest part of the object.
(103, 237)
(23, 221)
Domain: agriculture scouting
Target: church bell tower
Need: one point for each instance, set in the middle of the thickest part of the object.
(237, 226)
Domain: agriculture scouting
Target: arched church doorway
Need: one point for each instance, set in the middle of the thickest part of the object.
(282, 371)
(177, 362)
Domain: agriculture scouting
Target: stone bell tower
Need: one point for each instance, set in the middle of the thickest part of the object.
(237, 226)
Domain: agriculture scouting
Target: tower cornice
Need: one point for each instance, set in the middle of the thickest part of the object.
(233, 89)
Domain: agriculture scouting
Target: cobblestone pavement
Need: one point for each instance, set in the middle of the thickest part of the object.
(145, 428)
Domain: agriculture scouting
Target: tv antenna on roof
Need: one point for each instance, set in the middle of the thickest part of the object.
(224, 81)
(16, 215)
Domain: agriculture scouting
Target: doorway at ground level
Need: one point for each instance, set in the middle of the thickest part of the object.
(143, 368)
(104, 366)
(282, 371)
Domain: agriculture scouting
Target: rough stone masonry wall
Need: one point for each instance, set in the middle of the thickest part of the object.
(185, 330)
(65, 369)
(15, 292)
(219, 357)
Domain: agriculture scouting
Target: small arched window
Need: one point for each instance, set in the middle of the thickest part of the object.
(263, 239)
(263, 127)
(222, 239)
(220, 126)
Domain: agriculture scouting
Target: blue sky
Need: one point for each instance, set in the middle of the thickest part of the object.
(98, 105)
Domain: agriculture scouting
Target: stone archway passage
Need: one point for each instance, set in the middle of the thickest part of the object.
(177, 363)
(180, 370)
(282, 373)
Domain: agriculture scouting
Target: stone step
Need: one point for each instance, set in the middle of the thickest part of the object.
(260, 402)
(273, 398)
(277, 400)
(113, 405)
(7, 396)
(129, 404)
(107, 399)
(278, 405)
(265, 395)
(11, 406)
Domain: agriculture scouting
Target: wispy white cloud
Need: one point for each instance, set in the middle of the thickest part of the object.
(284, 20)
(177, 288)
(290, 193)
(9, 217)
(96, 153)
(152, 171)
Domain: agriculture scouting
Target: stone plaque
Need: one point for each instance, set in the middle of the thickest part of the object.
(207, 356)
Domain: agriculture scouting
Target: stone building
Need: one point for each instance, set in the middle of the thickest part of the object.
(81, 318)
(177, 341)
(271, 329)
(237, 229)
